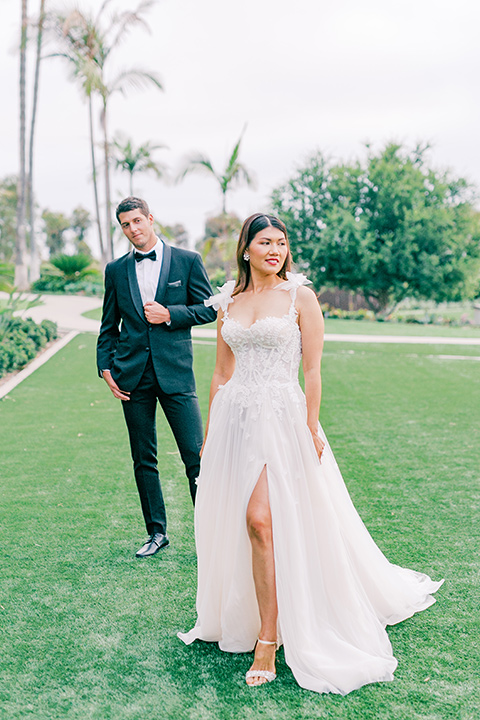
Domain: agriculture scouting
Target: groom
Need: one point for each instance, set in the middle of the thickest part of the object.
(153, 295)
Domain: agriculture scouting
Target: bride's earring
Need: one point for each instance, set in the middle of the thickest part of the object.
(246, 256)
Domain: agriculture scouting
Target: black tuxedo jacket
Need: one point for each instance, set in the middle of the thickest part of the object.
(127, 339)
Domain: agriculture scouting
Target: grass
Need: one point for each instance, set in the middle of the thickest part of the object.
(88, 632)
(369, 327)
(95, 314)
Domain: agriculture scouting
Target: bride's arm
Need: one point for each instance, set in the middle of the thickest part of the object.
(224, 367)
(312, 326)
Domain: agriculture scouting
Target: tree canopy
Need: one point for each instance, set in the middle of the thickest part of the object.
(389, 227)
(218, 245)
(56, 223)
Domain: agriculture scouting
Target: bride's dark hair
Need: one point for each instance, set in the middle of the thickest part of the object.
(253, 225)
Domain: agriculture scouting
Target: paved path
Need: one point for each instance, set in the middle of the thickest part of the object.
(66, 311)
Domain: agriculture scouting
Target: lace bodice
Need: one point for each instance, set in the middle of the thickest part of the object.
(268, 353)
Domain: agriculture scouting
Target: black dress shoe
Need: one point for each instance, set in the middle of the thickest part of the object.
(154, 543)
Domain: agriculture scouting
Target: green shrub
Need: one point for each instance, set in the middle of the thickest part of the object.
(361, 314)
(70, 274)
(22, 342)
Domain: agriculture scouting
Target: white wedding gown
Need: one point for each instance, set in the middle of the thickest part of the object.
(336, 591)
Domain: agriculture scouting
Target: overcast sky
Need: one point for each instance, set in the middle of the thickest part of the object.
(304, 75)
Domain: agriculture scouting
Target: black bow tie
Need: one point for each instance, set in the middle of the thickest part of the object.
(152, 255)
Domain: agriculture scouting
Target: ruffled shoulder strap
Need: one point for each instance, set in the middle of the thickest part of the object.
(292, 283)
(223, 298)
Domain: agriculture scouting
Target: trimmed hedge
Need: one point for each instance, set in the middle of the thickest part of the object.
(53, 284)
(22, 342)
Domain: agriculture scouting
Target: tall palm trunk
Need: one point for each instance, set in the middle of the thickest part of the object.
(95, 183)
(34, 254)
(108, 200)
(21, 269)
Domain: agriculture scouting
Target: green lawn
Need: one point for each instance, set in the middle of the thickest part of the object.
(367, 327)
(88, 632)
(95, 314)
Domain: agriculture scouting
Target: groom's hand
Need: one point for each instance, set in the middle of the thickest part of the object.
(119, 394)
(156, 313)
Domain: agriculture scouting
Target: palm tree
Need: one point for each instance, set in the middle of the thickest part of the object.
(134, 78)
(34, 254)
(233, 173)
(91, 41)
(222, 239)
(133, 159)
(21, 269)
(78, 37)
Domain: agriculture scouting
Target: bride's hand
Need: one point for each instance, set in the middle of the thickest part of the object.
(319, 443)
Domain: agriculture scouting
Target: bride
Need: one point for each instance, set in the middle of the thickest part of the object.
(283, 556)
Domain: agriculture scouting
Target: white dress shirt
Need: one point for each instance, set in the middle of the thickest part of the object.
(148, 273)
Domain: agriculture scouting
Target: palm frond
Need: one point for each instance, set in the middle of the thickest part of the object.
(239, 173)
(235, 152)
(123, 22)
(135, 78)
(103, 7)
(195, 163)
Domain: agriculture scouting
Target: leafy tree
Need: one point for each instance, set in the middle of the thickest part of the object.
(233, 173)
(175, 234)
(80, 222)
(8, 217)
(138, 159)
(55, 226)
(389, 227)
(219, 244)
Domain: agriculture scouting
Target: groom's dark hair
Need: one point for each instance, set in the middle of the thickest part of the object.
(132, 203)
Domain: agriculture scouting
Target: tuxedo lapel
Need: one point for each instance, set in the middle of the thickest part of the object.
(134, 289)
(164, 273)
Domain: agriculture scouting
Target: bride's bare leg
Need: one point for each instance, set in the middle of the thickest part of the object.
(259, 525)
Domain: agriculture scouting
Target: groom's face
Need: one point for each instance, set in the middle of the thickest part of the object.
(138, 229)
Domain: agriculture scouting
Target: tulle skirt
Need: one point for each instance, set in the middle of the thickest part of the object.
(336, 591)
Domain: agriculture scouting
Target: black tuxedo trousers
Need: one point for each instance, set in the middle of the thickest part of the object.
(182, 412)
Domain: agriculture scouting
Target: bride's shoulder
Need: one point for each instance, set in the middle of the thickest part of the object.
(306, 293)
(306, 298)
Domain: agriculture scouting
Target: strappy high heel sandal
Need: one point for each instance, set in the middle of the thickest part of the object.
(267, 674)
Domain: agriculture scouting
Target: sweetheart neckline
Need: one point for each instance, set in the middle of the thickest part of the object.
(267, 317)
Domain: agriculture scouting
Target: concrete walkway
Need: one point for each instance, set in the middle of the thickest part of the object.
(66, 311)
